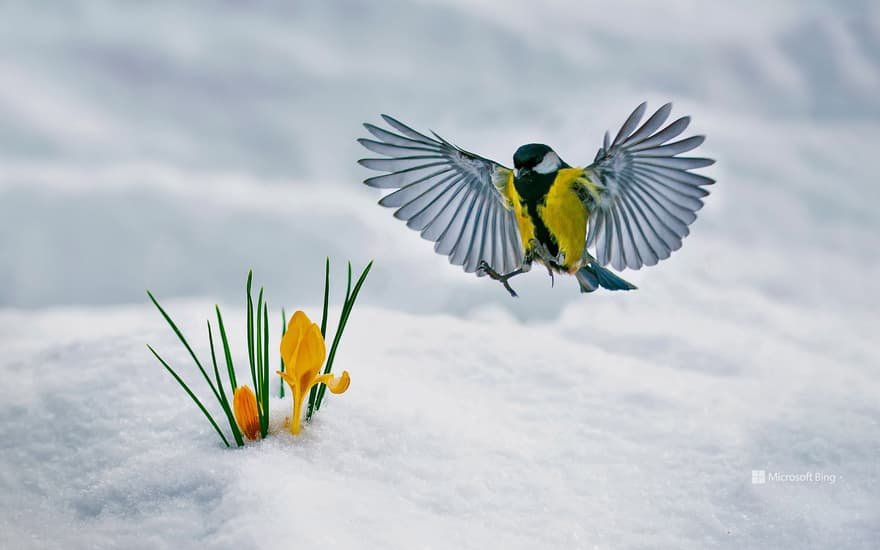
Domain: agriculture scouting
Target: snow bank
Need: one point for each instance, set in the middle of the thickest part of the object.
(610, 428)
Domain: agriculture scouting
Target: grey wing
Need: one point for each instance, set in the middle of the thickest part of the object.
(645, 195)
(452, 197)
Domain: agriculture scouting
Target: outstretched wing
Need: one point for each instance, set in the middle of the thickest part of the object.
(453, 197)
(644, 195)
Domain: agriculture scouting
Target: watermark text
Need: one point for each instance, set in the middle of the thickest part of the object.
(760, 477)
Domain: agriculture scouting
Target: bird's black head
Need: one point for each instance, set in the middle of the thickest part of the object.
(536, 157)
(528, 156)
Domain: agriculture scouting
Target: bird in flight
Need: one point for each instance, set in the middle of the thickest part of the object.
(631, 207)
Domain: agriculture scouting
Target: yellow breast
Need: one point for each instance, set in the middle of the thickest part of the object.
(526, 226)
(565, 216)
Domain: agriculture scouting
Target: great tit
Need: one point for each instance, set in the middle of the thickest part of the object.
(630, 208)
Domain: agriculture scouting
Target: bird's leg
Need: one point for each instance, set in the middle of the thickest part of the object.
(549, 261)
(485, 268)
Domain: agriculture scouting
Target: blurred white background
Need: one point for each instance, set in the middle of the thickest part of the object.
(172, 146)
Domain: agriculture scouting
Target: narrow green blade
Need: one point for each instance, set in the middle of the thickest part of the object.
(346, 312)
(281, 361)
(250, 329)
(224, 402)
(348, 285)
(259, 350)
(313, 393)
(191, 395)
(264, 416)
(185, 344)
(230, 369)
(326, 298)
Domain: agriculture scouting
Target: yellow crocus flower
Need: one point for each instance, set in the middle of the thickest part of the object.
(303, 352)
(244, 405)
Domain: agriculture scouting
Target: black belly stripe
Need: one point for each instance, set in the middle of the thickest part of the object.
(532, 189)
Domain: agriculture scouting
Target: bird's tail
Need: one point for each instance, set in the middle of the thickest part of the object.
(593, 275)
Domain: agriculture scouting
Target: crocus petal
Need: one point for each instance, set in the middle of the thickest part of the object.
(297, 396)
(335, 385)
(309, 357)
(296, 328)
(303, 351)
(289, 378)
(244, 406)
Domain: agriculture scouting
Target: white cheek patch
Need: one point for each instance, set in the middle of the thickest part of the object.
(550, 163)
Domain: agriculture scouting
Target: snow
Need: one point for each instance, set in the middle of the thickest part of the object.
(455, 433)
(174, 146)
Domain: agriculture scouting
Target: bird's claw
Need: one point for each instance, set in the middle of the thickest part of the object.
(494, 275)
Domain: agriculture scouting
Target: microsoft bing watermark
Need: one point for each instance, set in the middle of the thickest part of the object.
(761, 477)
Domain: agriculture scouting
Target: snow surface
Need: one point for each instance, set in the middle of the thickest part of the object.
(172, 146)
(612, 427)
